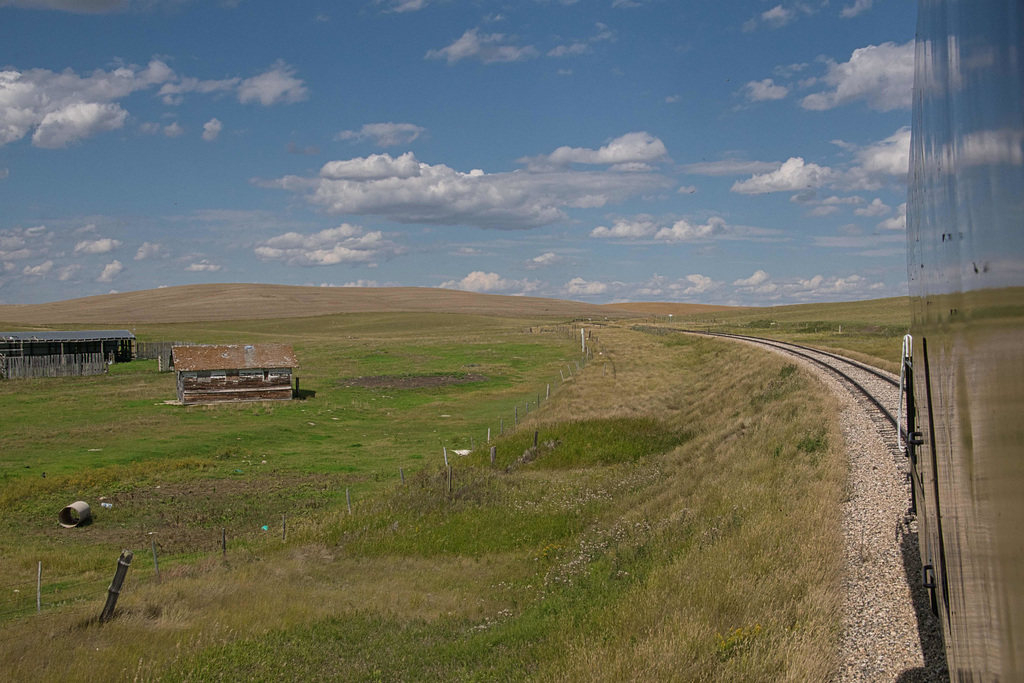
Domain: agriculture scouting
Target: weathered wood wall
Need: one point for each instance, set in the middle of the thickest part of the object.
(68, 365)
(219, 389)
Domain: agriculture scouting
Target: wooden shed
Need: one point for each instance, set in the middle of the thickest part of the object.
(226, 373)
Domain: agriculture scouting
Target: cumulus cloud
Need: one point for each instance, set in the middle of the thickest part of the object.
(632, 148)
(148, 250)
(876, 208)
(580, 287)
(110, 271)
(65, 273)
(479, 281)
(580, 47)
(761, 286)
(38, 271)
(275, 86)
(881, 75)
(62, 108)
(757, 279)
(685, 231)
(776, 17)
(98, 246)
(409, 191)
(898, 222)
(545, 260)
(343, 244)
(758, 91)
(203, 266)
(488, 48)
(211, 129)
(793, 175)
(858, 7)
(174, 130)
(384, 134)
(639, 227)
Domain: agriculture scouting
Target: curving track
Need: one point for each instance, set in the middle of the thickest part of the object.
(889, 632)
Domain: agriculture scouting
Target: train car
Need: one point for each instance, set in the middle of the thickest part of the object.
(965, 362)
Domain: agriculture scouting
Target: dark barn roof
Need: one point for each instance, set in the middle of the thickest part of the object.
(233, 357)
(73, 336)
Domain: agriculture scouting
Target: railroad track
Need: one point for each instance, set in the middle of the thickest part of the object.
(879, 390)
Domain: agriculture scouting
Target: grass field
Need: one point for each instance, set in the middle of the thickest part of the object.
(677, 520)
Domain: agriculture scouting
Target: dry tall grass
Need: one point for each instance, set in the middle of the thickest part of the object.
(715, 561)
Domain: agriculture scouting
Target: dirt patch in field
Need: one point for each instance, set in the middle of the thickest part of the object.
(412, 381)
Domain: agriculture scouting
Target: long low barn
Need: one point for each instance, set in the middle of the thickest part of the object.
(226, 373)
(118, 344)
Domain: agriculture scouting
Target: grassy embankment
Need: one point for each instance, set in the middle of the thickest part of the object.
(869, 331)
(679, 519)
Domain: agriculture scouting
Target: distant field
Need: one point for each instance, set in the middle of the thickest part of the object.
(650, 534)
(195, 303)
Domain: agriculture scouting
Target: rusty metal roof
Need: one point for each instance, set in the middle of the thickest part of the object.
(233, 356)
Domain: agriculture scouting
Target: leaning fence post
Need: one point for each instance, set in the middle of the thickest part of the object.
(401, 473)
(548, 394)
(348, 500)
(115, 586)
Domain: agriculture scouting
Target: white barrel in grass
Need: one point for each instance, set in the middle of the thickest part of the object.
(73, 515)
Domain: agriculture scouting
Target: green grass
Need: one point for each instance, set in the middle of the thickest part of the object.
(678, 519)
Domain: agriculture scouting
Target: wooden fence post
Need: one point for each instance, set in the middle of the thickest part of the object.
(39, 588)
(284, 528)
(494, 450)
(224, 541)
(401, 473)
(115, 586)
(348, 500)
(156, 565)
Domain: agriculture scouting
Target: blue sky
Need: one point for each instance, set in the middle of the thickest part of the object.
(748, 153)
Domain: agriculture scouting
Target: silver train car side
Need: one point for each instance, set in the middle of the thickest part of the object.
(965, 235)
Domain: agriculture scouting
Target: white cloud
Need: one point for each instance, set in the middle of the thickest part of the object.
(400, 6)
(640, 227)
(672, 99)
(858, 7)
(274, 86)
(4, 173)
(823, 210)
(684, 231)
(148, 250)
(638, 147)
(76, 121)
(38, 271)
(174, 130)
(211, 129)
(99, 246)
(203, 266)
(758, 91)
(881, 75)
(384, 134)
(344, 244)
(897, 222)
(361, 283)
(409, 191)
(757, 279)
(488, 48)
(110, 271)
(62, 108)
(876, 208)
(479, 281)
(578, 286)
(761, 286)
(793, 175)
(65, 273)
(778, 16)
(545, 260)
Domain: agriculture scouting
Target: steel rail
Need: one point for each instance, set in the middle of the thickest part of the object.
(792, 348)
